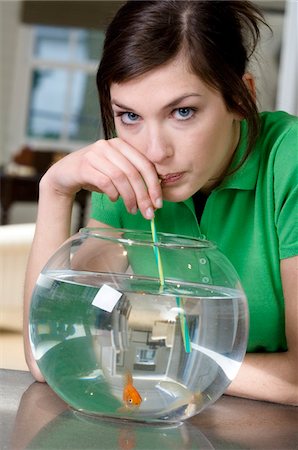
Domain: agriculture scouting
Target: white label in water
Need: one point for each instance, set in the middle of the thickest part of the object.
(106, 298)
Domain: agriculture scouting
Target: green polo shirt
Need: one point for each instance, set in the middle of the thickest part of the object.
(251, 216)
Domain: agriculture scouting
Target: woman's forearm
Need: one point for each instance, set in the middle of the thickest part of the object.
(52, 229)
(92, 168)
(270, 377)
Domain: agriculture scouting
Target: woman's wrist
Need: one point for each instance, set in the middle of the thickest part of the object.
(50, 188)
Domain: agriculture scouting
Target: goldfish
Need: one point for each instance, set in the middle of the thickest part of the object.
(131, 397)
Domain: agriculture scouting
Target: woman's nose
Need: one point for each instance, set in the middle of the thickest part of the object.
(158, 146)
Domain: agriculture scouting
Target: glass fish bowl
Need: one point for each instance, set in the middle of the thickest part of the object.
(134, 325)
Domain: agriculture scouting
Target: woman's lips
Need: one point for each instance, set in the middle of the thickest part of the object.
(170, 178)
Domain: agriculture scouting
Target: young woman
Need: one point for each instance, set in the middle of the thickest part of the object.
(184, 142)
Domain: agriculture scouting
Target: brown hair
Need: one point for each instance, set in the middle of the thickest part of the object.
(218, 37)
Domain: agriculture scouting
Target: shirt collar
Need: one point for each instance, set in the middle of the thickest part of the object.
(246, 176)
(190, 204)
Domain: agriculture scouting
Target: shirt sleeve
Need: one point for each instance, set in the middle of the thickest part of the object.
(286, 193)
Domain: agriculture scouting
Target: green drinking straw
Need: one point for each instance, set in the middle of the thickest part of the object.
(183, 322)
(157, 254)
(184, 327)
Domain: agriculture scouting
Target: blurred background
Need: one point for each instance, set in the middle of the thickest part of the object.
(49, 52)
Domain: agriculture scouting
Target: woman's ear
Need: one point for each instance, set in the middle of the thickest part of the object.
(249, 81)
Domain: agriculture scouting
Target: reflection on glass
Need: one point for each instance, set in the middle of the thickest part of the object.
(145, 356)
(84, 108)
(48, 89)
(52, 43)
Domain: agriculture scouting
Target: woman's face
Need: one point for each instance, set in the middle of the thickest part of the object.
(180, 124)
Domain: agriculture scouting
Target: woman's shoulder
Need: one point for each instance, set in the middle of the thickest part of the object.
(278, 134)
(277, 148)
(278, 123)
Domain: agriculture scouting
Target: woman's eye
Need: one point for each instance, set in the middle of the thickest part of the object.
(183, 113)
(129, 117)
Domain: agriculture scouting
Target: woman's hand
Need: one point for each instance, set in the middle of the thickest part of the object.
(112, 167)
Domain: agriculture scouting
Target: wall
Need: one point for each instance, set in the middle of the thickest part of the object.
(266, 65)
(9, 20)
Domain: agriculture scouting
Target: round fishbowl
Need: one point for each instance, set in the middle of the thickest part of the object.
(141, 326)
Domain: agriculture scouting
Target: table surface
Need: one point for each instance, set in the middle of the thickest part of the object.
(33, 417)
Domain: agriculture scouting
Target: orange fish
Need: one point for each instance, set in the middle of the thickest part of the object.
(131, 397)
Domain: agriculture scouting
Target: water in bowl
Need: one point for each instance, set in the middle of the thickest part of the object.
(158, 355)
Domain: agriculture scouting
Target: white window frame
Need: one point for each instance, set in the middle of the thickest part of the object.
(25, 64)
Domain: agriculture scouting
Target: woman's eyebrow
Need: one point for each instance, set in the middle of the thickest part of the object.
(120, 105)
(179, 99)
(173, 103)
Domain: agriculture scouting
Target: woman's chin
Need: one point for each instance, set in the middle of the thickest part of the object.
(175, 197)
(178, 193)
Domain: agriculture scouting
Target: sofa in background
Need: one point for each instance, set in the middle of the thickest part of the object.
(15, 243)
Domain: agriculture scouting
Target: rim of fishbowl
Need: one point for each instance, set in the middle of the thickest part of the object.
(168, 240)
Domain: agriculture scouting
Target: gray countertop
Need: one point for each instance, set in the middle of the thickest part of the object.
(33, 417)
